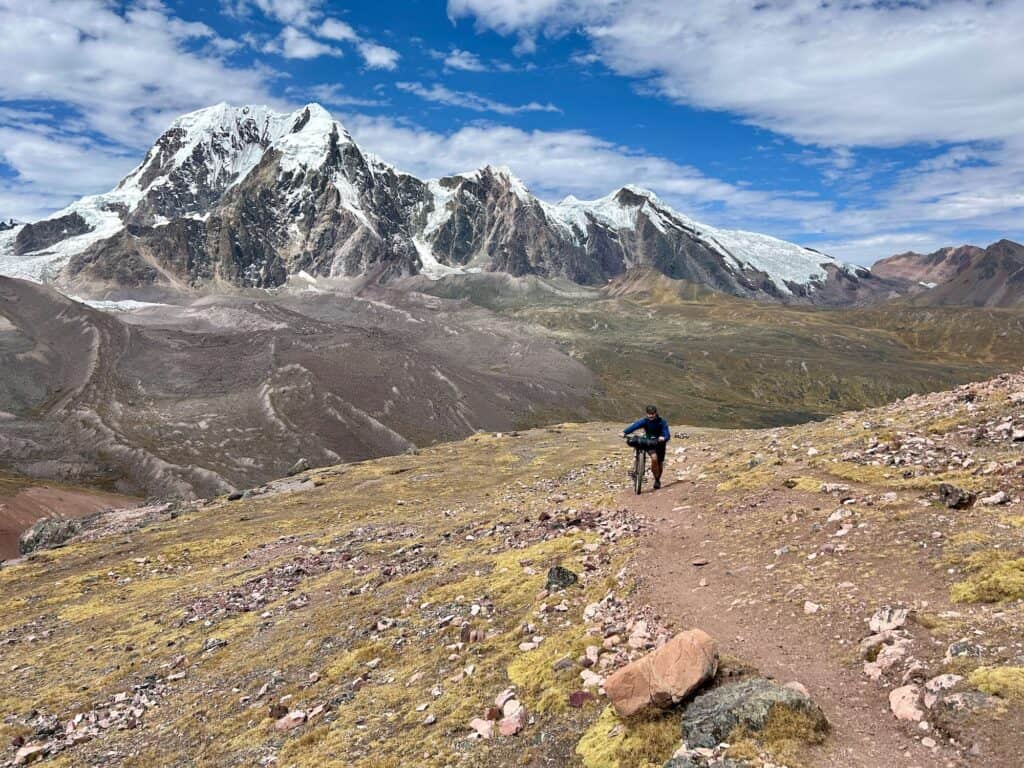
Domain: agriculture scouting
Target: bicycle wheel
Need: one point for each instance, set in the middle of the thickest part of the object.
(638, 471)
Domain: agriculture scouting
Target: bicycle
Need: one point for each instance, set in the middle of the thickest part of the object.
(641, 444)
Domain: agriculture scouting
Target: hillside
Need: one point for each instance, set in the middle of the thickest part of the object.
(365, 614)
(967, 276)
(993, 278)
(927, 269)
(228, 392)
(728, 362)
(225, 392)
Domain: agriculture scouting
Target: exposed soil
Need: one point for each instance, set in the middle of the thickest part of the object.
(20, 508)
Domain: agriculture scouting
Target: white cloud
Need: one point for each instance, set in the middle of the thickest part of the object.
(126, 76)
(839, 73)
(305, 22)
(333, 29)
(298, 12)
(53, 166)
(868, 250)
(119, 80)
(333, 95)
(556, 163)
(378, 56)
(293, 44)
(839, 76)
(465, 61)
(440, 94)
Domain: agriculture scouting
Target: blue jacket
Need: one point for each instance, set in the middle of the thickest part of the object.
(656, 428)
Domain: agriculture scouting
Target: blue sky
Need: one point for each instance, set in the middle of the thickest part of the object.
(860, 129)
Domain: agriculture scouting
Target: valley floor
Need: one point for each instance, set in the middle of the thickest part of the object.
(365, 614)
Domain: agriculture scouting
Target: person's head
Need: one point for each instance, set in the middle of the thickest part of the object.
(652, 412)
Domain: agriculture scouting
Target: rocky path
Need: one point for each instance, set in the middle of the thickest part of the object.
(792, 547)
(786, 646)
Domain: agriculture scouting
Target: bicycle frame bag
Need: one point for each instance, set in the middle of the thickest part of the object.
(642, 442)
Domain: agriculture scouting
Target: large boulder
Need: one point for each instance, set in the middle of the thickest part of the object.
(665, 676)
(955, 498)
(712, 717)
(48, 533)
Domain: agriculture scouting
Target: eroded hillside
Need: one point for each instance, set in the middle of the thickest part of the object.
(367, 614)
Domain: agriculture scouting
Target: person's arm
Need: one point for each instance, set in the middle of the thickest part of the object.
(665, 434)
(633, 427)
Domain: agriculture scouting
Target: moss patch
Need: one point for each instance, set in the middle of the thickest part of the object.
(995, 576)
(1004, 682)
(785, 736)
(640, 742)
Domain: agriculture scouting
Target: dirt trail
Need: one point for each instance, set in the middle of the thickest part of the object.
(761, 629)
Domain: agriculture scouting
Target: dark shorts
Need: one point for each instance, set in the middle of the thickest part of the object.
(659, 452)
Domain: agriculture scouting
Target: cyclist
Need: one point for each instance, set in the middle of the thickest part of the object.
(653, 426)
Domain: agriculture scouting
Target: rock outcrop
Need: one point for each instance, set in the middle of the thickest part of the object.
(713, 716)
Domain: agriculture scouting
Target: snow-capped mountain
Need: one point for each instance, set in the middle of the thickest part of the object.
(250, 197)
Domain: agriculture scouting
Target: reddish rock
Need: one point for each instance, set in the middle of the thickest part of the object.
(514, 722)
(578, 698)
(483, 728)
(291, 720)
(665, 676)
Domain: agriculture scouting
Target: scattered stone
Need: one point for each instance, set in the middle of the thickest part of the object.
(811, 608)
(699, 561)
(935, 687)
(578, 698)
(560, 578)
(591, 679)
(291, 721)
(298, 467)
(887, 619)
(483, 728)
(711, 717)
(514, 722)
(665, 676)
(29, 754)
(903, 703)
(996, 499)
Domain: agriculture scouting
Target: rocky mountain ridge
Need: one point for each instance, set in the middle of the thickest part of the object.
(961, 276)
(248, 197)
(930, 269)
